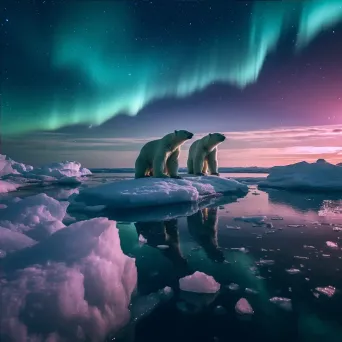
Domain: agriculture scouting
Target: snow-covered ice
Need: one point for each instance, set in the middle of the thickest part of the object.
(320, 175)
(242, 307)
(36, 216)
(66, 173)
(146, 192)
(80, 289)
(11, 241)
(327, 290)
(332, 244)
(6, 186)
(199, 282)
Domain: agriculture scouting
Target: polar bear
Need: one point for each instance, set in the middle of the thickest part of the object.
(160, 157)
(203, 154)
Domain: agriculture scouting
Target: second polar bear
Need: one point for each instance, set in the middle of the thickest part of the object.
(160, 157)
(203, 154)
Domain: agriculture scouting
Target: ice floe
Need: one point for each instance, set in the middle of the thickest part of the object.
(199, 282)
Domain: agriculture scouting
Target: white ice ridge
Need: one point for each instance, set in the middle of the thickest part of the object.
(320, 175)
(79, 289)
(199, 282)
(68, 172)
(145, 192)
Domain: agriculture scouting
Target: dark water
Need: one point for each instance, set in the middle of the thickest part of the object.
(214, 242)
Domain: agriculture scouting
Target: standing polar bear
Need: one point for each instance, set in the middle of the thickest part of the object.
(160, 157)
(203, 155)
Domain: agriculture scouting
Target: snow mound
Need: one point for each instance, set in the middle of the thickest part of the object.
(320, 175)
(84, 295)
(199, 282)
(145, 192)
(37, 216)
(12, 241)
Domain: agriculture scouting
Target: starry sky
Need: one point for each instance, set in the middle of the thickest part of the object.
(94, 80)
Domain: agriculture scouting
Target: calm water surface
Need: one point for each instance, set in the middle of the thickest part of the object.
(213, 241)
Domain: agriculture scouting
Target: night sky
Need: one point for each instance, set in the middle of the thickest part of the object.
(94, 80)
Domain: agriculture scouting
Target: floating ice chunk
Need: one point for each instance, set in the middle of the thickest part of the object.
(142, 239)
(251, 219)
(233, 227)
(163, 246)
(199, 282)
(145, 192)
(337, 229)
(167, 290)
(251, 291)
(295, 225)
(7, 186)
(309, 247)
(293, 271)
(282, 302)
(240, 249)
(233, 287)
(220, 310)
(265, 262)
(332, 244)
(305, 176)
(327, 290)
(87, 290)
(269, 225)
(11, 241)
(242, 307)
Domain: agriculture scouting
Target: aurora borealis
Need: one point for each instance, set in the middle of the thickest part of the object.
(94, 62)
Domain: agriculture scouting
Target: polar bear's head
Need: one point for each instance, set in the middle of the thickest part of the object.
(213, 139)
(182, 135)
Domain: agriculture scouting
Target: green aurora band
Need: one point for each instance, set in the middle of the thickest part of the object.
(130, 75)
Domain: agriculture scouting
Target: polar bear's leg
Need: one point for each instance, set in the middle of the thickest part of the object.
(159, 165)
(199, 163)
(190, 165)
(172, 164)
(212, 162)
(141, 168)
(205, 166)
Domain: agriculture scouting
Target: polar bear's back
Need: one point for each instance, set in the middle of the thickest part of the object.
(148, 150)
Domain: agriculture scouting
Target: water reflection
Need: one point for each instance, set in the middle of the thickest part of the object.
(202, 227)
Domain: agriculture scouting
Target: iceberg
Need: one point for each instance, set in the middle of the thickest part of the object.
(79, 289)
(318, 176)
(148, 192)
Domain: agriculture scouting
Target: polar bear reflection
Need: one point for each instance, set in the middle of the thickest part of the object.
(203, 228)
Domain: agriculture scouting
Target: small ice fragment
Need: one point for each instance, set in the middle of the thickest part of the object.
(316, 294)
(240, 249)
(282, 302)
(3, 206)
(263, 250)
(252, 291)
(233, 227)
(290, 289)
(269, 225)
(199, 282)
(242, 307)
(309, 247)
(276, 218)
(253, 269)
(300, 257)
(270, 231)
(337, 229)
(233, 287)
(327, 290)
(167, 290)
(307, 279)
(163, 246)
(326, 255)
(293, 271)
(252, 219)
(295, 225)
(331, 244)
(265, 262)
(142, 239)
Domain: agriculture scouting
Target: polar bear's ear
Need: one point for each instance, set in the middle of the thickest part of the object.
(176, 132)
